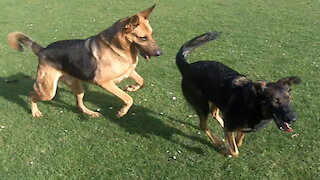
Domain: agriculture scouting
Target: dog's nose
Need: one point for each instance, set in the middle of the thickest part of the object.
(292, 117)
(158, 53)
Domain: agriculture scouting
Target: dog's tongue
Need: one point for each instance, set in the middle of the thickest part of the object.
(286, 127)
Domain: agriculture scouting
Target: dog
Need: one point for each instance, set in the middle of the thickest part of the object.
(104, 59)
(246, 106)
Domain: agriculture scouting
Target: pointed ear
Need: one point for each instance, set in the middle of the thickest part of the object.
(290, 80)
(131, 24)
(260, 86)
(146, 13)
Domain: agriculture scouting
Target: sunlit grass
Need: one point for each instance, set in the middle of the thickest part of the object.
(159, 138)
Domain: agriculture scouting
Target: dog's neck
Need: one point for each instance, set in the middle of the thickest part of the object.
(257, 115)
(115, 40)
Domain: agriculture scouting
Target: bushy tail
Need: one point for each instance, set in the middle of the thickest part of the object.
(181, 57)
(17, 39)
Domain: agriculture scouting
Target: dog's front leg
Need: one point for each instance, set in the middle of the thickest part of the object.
(113, 88)
(233, 149)
(139, 82)
(239, 138)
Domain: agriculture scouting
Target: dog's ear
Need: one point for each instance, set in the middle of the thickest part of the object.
(290, 80)
(146, 13)
(131, 24)
(260, 86)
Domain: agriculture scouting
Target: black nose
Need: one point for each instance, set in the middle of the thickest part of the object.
(292, 117)
(158, 53)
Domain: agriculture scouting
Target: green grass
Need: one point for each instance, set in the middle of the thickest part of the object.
(262, 39)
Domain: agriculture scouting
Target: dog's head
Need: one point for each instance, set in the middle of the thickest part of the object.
(275, 101)
(138, 32)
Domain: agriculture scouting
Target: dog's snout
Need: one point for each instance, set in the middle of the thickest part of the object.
(291, 117)
(158, 53)
(294, 119)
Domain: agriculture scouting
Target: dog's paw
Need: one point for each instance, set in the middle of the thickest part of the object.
(37, 114)
(227, 152)
(89, 112)
(121, 113)
(132, 88)
(95, 114)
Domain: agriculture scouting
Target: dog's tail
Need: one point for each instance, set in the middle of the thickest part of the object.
(17, 39)
(181, 57)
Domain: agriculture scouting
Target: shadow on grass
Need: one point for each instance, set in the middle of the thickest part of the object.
(144, 122)
(16, 87)
(12, 89)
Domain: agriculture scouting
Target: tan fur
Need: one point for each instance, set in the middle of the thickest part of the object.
(215, 113)
(234, 141)
(13, 40)
(233, 148)
(240, 81)
(17, 39)
(204, 125)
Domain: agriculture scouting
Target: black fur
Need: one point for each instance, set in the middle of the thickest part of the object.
(73, 57)
(243, 103)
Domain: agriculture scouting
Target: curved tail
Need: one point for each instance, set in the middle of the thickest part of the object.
(17, 39)
(181, 57)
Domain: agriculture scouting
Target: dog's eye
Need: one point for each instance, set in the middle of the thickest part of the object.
(143, 38)
(275, 101)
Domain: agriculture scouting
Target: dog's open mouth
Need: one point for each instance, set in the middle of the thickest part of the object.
(143, 53)
(283, 126)
(147, 57)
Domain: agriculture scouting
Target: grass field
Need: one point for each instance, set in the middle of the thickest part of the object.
(159, 138)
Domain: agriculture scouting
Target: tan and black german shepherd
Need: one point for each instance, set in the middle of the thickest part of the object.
(104, 59)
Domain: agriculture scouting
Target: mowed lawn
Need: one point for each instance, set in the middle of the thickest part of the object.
(159, 138)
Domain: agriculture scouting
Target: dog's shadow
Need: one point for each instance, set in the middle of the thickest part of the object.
(139, 120)
(16, 89)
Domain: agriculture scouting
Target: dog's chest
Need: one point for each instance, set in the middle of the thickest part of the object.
(125, 73)
(113, 66)
(255, 126)
(114, 70)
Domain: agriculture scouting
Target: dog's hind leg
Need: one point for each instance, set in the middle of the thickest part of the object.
(76, 87)
(204, 126)
(112, 88)
(44, 89)
(194, 96)
(139, 82)
(215, 114)
(239, 138)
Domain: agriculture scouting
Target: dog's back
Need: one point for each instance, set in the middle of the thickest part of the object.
(212, 79)
(74, 57)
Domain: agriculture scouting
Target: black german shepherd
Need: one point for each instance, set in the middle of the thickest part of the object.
(246, 106)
